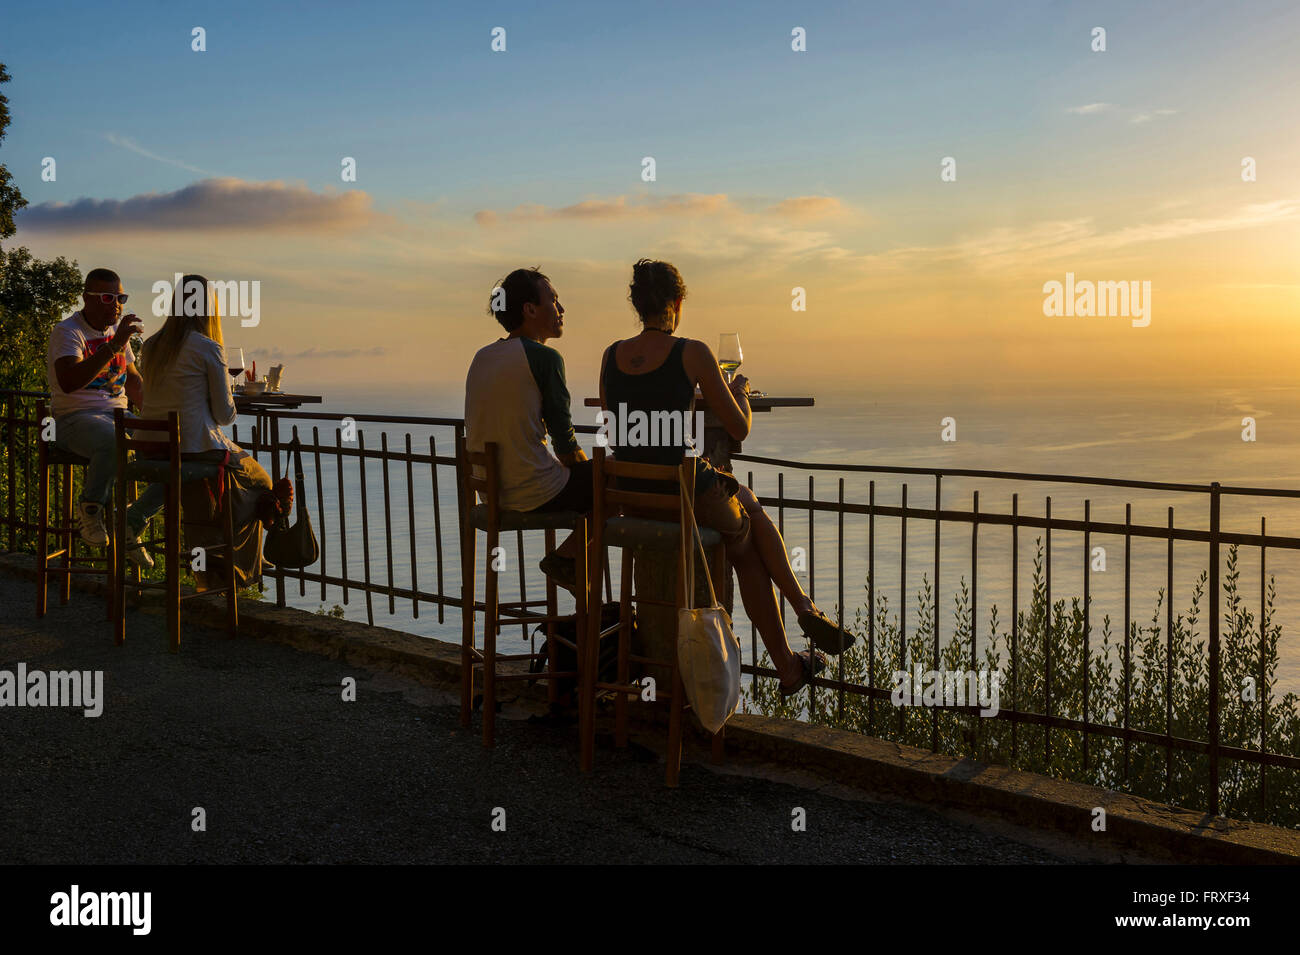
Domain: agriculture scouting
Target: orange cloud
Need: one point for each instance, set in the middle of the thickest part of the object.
(619, 207)
(807, 207)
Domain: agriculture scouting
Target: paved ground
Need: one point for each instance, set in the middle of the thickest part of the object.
(259, 736)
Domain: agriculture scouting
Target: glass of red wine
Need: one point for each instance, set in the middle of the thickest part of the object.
(235, 362)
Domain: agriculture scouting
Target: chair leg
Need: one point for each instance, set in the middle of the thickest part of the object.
(117, 577)
(675, 718)
(588, 572)
(552, 607)
(624, 649)
(42, 541)
(111, 550)
(719, 754)
(232, 598)
(175, 554)
(490, 645)
(467, 613)
(65, 579)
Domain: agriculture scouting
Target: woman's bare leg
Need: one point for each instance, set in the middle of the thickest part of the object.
(760, 604)
(771, 550)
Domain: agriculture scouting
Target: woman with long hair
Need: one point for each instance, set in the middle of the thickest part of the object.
(658, 371)
(185, 371)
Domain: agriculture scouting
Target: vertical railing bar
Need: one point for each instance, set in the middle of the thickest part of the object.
(871, 603)
(812, 587)
(1128, 640)
(934, 711)
(839, 563)
(410, 527)
(437, 520)
(1214, 648)
(365, 525)
(902, 612)
(320, 507)
(1015, 613)
(974, 604)
(1087, 629)
(1263, 681)
(1169, 658)
(29, 475)
(343, 527)
(753, 630)
(302, 578)
(388, 518)
(1047, 644)
(275, 470)
(11, 465)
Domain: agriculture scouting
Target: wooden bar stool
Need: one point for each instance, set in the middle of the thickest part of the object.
(491, 518)
(48, 456)
(642, 538)
(161, 462)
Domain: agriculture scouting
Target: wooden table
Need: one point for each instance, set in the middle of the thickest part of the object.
(259, 405)
(718, 445)
(270, 401)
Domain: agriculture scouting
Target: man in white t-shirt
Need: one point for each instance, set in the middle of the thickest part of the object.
(91, 372)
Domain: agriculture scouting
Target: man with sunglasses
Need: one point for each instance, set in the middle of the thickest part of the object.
(91, 371)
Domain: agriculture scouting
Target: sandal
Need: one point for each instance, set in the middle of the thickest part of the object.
(824, 634)
(813, 663)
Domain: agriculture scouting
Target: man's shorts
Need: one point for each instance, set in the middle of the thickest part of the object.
(576, 494)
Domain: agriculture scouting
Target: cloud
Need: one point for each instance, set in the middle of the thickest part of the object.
(314, 352)
(130, 144)
(1006, 248)
(619, 207)
(807, 207)
(1135, 116)
(225, 204)
(1147, 117)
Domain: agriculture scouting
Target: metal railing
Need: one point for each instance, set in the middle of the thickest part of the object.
(358, 483)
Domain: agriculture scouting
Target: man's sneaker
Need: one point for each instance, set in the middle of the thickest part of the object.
(136, 553)
(562, 570)
(90, 523)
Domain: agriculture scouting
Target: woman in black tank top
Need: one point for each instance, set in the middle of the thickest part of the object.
(665, 388)
(657, 372)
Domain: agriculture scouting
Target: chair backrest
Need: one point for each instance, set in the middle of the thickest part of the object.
(487, 485)
(607, 470)
(607, 498)
(125, 426)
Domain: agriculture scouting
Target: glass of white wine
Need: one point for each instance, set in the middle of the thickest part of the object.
(729, 354)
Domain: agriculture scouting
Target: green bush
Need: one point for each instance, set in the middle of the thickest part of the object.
(1183, 781)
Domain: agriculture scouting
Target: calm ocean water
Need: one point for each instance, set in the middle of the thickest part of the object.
(1155, 433)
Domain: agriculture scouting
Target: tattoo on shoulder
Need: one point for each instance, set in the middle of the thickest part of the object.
(637, 361)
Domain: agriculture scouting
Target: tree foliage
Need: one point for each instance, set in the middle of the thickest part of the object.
(34, 294)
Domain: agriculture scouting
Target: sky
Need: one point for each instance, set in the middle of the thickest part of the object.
(774, 170)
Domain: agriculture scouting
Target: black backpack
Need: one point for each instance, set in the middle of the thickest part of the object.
(567, 659)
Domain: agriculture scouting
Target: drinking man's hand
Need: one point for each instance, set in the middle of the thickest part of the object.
(739, 386)
(128, 326)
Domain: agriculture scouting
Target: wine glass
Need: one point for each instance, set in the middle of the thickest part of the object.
(235, 362)
(729, 354)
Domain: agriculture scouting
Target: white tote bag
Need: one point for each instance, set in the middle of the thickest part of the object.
(708, 654)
